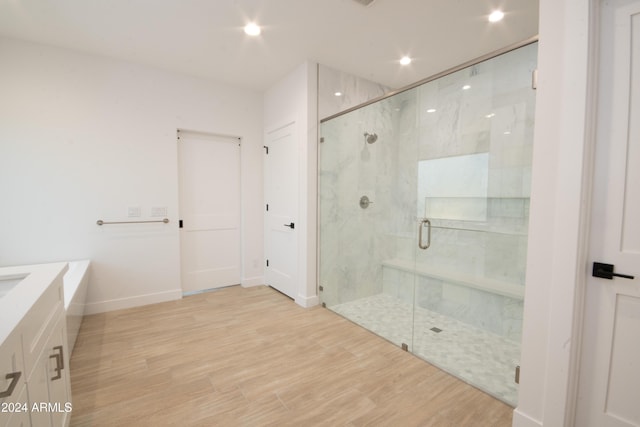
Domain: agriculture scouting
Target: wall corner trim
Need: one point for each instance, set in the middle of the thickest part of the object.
(248, 282)
(522, 420)
(307, 302)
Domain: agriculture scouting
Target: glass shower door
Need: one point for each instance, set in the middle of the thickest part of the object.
(424, 205)
(474, 163)
(367, 205)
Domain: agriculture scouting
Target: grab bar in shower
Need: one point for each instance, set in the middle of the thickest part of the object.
(420, 227)
(101, 222)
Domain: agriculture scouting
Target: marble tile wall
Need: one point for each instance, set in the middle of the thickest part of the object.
(353, 91)
(353, 240)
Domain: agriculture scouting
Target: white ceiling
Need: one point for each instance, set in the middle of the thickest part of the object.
(205, 38)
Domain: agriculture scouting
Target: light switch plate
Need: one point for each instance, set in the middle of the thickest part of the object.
(134, 212)
(159, 211)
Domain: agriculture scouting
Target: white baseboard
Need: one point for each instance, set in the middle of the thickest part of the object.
(118, 304)
(248, 282)
(523, 420)
(307, 302)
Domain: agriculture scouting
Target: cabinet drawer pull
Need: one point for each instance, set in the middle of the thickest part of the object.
(14, 377)
(59, 348)
(59, 362)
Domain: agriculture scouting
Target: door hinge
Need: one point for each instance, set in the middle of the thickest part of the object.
(267, 207)
(517, 379)
(180, 223)
(534, 79)
(321, 289)
(267, 263)
(266, 149)
(321, 140)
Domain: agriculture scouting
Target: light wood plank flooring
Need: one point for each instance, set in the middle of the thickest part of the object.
(252, 357)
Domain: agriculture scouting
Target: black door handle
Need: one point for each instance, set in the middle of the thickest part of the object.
(291, 226)
(605, 271)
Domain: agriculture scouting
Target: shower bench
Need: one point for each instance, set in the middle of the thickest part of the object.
(481, 283)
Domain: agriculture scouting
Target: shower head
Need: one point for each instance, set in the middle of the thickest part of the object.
(370, 137)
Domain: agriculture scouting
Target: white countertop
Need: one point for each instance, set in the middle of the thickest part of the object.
(15, 304)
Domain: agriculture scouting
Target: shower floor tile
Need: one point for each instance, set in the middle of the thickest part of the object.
(478, 357)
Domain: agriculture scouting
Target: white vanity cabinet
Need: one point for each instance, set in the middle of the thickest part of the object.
(48, 385)
(13, 384)
(36, 347)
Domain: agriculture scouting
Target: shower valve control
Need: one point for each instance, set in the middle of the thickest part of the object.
(365, 202)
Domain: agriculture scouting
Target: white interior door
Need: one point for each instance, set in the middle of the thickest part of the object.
(209, 167)
(281, 204)
(609, 381)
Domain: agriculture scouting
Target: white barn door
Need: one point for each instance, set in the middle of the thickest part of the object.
(209, 186)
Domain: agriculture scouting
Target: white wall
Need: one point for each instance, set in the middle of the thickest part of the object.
(84, 137)
(294, 98)
(556, 263)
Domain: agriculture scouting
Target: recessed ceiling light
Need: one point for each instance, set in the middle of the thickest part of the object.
(507, 132)
(496, 16)
(252, 29)
(405, 60)
(338, 94)
(466, 87)
(488, 116)
(431, 110)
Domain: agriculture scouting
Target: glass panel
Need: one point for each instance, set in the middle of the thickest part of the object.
(455, 151)
(476, 134)
(367, 215)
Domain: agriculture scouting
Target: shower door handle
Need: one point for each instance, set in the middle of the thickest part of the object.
(420, 227)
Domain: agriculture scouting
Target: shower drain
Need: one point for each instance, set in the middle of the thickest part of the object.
(436, 330)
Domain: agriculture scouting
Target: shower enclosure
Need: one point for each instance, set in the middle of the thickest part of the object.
(424, 205)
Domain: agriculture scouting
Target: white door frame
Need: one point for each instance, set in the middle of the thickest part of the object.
(584, 236)
(565, 397)
(560, 213)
